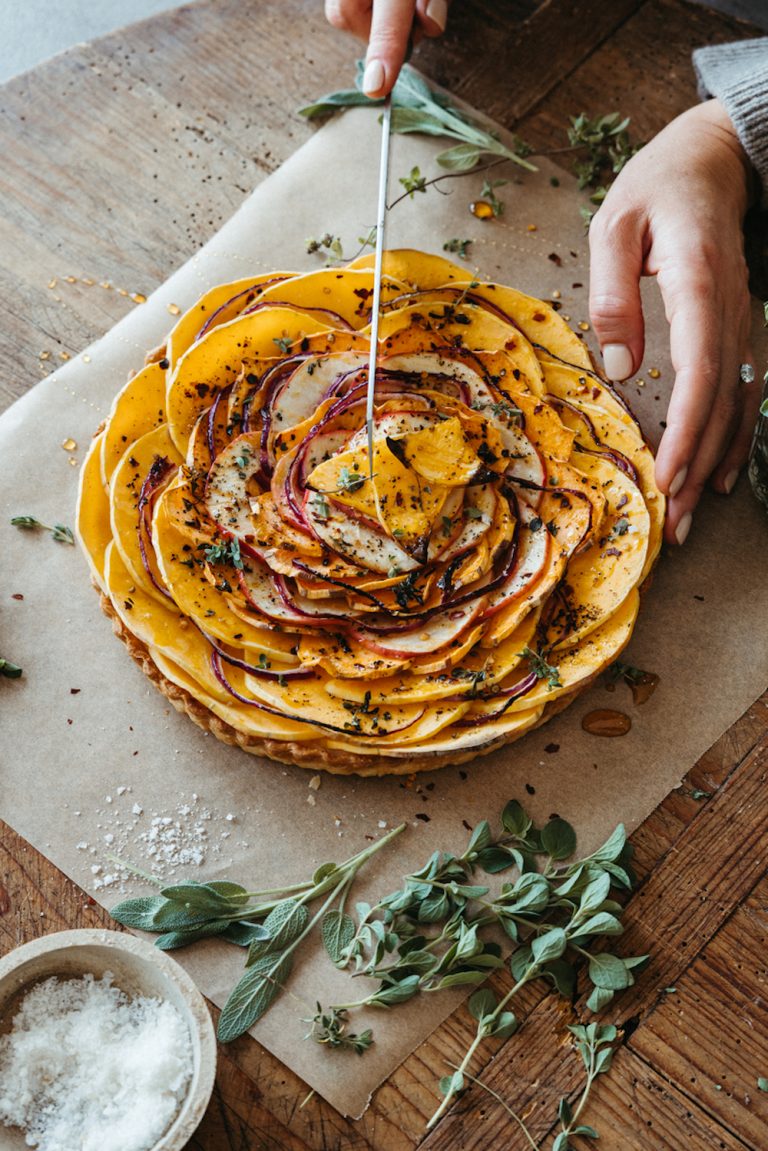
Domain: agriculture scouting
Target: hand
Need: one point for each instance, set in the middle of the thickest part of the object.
(387, 25)
(675, 212)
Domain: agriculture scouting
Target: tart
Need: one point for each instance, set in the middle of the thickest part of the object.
(298, 602)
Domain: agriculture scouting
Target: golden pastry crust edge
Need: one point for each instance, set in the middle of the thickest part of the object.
(311, 754)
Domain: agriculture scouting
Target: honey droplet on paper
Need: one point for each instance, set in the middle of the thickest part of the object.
(654, 373)
(174, 309)
(138, 297)
(644, 687)
(606, 722)
(69, 444)
(482, 209)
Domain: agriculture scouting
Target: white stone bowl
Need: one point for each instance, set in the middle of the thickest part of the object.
(139, 968)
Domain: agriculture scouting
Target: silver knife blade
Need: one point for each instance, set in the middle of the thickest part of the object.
(380, 220)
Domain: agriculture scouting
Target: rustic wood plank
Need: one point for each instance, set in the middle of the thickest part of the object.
(710, 1037)
(644, 70)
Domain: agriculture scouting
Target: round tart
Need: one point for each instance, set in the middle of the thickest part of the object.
(294, 603)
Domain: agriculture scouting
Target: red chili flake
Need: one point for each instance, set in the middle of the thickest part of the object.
(553, 256)
(466, 826)
(595, 393)
(70, 721)
(75, 690)
(17, 595)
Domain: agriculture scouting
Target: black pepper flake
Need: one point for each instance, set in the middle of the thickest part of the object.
(530, 789)
(422, 815)
(75, 690)
(551, 748)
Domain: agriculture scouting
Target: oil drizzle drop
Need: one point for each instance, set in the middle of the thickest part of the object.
(644, 686)
(605, 721)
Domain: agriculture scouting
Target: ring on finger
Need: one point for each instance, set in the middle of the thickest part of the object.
(746, 374)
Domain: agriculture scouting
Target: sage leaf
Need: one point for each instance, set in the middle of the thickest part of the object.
(173, 939)
(252, 995)
(285, 923)
(138, 913)
(392, 993)
(337, 930)
(460, 158)
(601, 924)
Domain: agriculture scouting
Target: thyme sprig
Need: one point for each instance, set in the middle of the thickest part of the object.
(10, 670)
(60, 532)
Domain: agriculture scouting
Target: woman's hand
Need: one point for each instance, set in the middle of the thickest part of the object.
(676, 212)
(387, 25)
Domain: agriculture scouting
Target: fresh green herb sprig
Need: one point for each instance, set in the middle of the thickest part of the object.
(10, 670)
(414, 182)
(328, 242)
(429, 934)
(330, 1027)
(225, 552)
(626, 671)
(60, 532)
(606, 141)
(594, 1043)
(542, 668)
(460, 247)
(489, 193)
(271, 924)
(417, 108)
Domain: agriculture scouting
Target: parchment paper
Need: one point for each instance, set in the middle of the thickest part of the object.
(63, 754)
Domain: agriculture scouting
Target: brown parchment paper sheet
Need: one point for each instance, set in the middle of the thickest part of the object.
(702, 627)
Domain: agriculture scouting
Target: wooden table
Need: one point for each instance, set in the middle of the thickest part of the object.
(120, 159)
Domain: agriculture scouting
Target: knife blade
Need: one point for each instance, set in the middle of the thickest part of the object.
(386, 123)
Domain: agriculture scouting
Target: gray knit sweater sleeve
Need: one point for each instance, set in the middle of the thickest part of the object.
(737, 74)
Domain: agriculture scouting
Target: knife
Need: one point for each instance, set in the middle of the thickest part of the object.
(386, 122)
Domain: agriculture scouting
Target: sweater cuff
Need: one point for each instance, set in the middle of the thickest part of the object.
(737, 75)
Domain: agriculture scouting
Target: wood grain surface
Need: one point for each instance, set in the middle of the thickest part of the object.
(120, 159)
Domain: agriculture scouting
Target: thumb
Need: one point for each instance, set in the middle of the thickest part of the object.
(391, 25)
(615, 307)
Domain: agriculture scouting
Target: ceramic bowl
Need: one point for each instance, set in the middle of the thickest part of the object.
(138, 969)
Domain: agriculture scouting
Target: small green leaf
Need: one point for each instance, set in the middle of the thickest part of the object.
(549, 946)
(599, 998)
(762, 1083)
(564, 1112)
(505, 1025)
(284, 924)
(561, 1142)
(585, 1130)
(480, 838)
(609, 972)
(337, 930)
(482, 1003)
(515, 819)
(558, 839)
(138, 913)
(10, 670)
(601, 924)
(451, 1084)
(392, 993)
(495, 859)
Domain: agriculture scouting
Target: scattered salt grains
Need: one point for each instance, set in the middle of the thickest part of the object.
(86, 1067)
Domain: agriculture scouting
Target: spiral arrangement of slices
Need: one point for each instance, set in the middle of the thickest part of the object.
(383, 614)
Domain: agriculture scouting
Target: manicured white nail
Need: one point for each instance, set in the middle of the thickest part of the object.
(730, 481)
(617, 360)
(682, 529)
(373, 77)
(437, 12)
(677, 483)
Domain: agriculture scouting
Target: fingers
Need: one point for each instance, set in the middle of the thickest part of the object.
(391, 24)
(616, 243)
(350, 16)
(710, 412)
(432, 16)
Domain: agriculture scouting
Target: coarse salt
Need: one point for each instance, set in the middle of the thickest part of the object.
(85, 1066)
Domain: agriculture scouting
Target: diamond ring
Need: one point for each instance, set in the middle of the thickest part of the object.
(746, 374)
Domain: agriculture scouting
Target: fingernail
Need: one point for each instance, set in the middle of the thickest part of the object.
(730, 481)
(437, 12)
(373, 77)
(682, 529)
(617, 360)
(677, 483)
